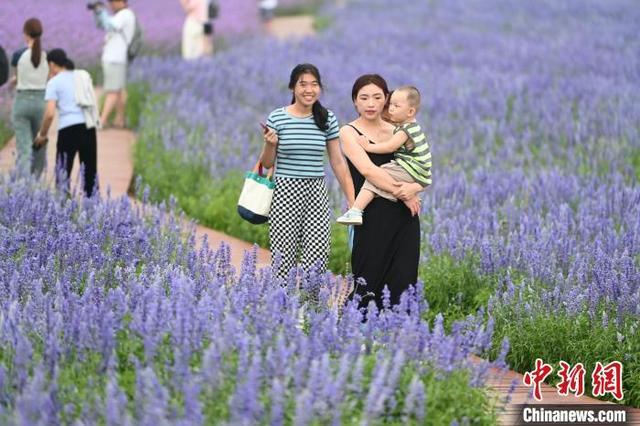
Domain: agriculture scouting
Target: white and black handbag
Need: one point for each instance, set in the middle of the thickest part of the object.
(254, 204)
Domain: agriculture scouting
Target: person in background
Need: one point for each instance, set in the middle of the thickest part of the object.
(31, 73)
(267, 10)
(120, 28)
(195, 40)
(71, 93)
(296, 138)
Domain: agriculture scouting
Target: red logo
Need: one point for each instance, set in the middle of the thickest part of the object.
(537, 376)
(607, 379)
(572, 379)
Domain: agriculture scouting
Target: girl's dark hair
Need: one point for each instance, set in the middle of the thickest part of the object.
(59, 57)
(320, 113)
(33, 28)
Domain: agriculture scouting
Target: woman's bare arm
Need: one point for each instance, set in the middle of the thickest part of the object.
(268, 154)
(358, 157)
(340, 170)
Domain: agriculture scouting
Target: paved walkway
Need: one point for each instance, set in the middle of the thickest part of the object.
(115, 171)
(292, 27)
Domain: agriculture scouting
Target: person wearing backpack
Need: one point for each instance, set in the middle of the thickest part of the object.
(31, 73)
(197, 30)
(122, 35)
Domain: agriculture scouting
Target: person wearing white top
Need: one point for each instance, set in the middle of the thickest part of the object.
(30, 80)
(195, 42)
(70, 93)
(120, 28)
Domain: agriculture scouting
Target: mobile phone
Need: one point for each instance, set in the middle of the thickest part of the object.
(265, 129)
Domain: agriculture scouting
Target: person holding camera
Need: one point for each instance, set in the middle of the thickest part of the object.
(197, 29)
(120, 28)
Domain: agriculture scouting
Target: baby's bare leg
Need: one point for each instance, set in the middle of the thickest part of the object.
(363, 199)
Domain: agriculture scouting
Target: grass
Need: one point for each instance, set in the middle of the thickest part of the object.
(6, 132)
(634, 159)
(454, 287)
(308, 8)
(322, 22)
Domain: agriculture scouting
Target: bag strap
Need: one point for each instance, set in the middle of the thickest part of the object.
(124, 36)
(258, 169)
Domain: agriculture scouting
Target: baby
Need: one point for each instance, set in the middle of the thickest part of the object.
(412, 157)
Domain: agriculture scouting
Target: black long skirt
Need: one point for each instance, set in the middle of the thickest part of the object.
(386, 248)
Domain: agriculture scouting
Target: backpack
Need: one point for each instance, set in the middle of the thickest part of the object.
(4, 67)
(135, 45)
(213, 9)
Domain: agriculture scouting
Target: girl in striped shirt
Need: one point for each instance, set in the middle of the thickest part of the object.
(296, 138)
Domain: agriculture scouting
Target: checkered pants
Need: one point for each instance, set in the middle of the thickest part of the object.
(300, 222)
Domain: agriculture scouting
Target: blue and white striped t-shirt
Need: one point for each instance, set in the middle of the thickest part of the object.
(301, 144)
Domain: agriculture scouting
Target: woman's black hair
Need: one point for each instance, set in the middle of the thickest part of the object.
(320, 113)
(59, 57)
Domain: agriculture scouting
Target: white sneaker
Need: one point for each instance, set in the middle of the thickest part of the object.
(351, 217)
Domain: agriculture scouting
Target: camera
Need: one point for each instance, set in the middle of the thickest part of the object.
(93, 5)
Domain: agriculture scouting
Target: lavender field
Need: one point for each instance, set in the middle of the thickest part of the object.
(534, 113)
(109, 316)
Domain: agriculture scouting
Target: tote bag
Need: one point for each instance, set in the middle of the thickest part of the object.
(254, 204)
